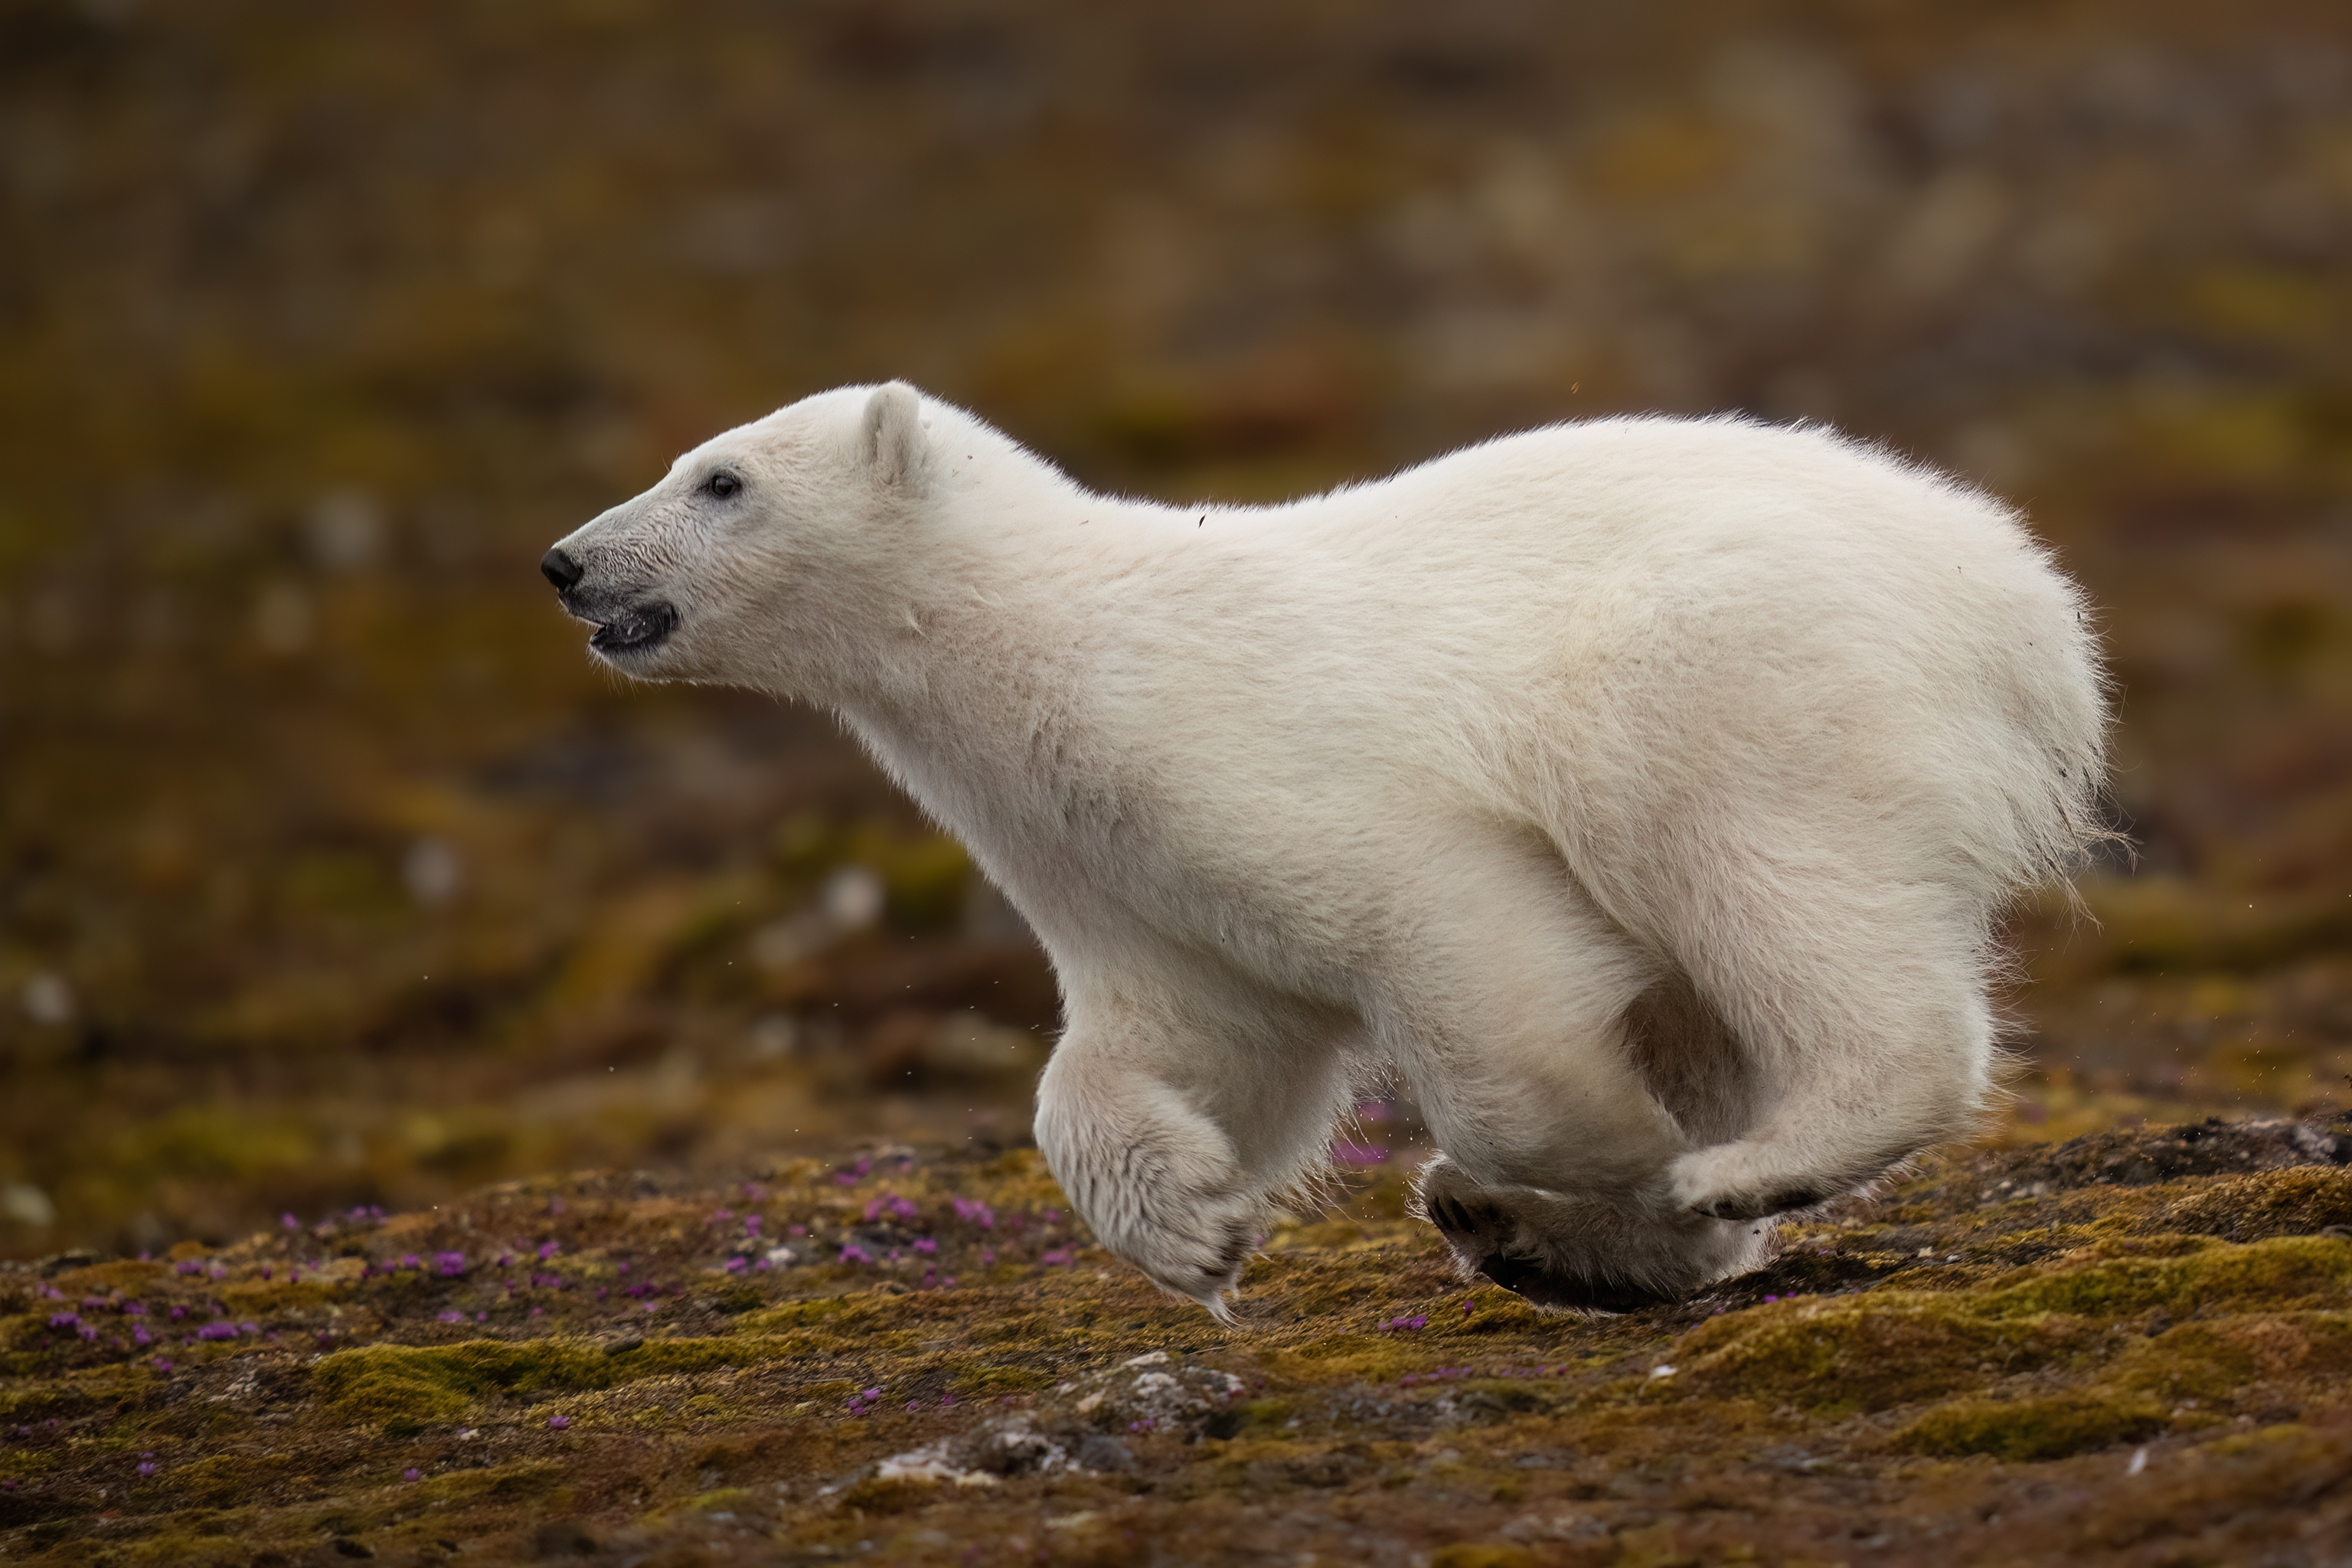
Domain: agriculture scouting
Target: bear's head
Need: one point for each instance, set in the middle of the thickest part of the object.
(762, 553)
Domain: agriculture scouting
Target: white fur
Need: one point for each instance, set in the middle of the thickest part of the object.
(1642, 789)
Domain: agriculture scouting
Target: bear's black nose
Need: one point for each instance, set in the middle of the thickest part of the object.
(560, 569)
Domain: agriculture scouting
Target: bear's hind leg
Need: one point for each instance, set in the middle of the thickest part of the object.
(1507, 1013)
(1871, 1039)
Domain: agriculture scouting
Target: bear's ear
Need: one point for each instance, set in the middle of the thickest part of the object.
(890, 437)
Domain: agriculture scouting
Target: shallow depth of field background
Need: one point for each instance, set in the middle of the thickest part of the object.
(331, 872)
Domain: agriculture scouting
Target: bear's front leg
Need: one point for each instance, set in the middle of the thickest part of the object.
(1169, 1122)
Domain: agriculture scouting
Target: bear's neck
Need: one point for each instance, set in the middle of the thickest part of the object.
(987, 696)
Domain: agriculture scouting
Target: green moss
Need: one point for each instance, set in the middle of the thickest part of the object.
(1868, 1353)
(2028, 1429)
(2218, 1359)
(1260, 1415)
(530, 1478)
(405, 1386)
(845, 1314)
(2283, 1272)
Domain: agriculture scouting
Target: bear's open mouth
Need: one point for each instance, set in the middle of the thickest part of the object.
(635, 629)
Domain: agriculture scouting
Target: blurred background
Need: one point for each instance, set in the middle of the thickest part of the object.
(331, 872)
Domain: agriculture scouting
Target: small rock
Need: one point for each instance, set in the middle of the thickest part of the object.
(1108, 1455)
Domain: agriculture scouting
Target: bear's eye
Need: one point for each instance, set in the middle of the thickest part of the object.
(722, 484)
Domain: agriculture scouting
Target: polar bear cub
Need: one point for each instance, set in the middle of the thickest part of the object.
(1643, 790)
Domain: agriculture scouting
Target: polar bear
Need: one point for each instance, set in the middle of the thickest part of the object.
(1641, 790)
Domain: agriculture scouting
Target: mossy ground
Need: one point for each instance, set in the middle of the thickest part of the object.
(2134, 1347)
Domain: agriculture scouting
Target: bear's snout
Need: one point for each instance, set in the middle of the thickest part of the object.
(560, 569)
(628, 620)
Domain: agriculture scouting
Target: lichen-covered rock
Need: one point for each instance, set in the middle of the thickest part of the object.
(2135, 1347)
(1075, 1428)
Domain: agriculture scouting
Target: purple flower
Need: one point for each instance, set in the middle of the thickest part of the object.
(178, 1312)
(162, 1364)
(189, 1266)
(146, 1467)
(925, 1244)
(795, 1229)
(86, 1332)
(453, 1317)
(134, 1309)
(451, 1264)
(1348, 1153)
(412, 1474)
(971, 1211)
(558, 1423)
(65, 1319)
(1418, 1321)
(720, 1216)
(751, 1225)
(218, 1331)
(139, 1336)
(289, 1222)
(853, 1253)
(1058, 1255)
(734, 1266)
(987, 1255)
(410, 1260)
(548, 1249)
